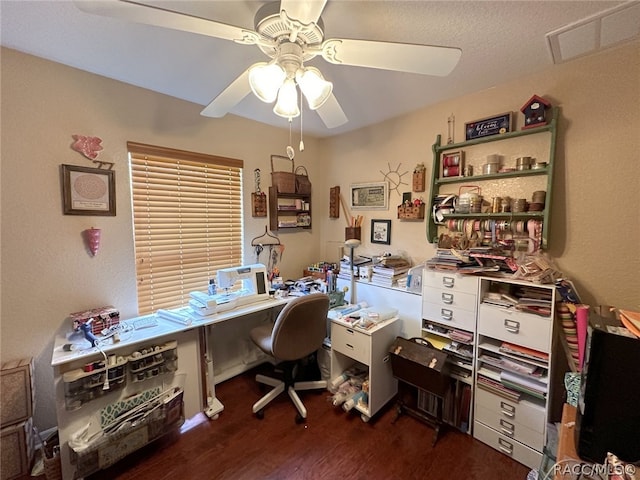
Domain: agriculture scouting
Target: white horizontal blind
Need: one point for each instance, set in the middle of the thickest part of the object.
(187, 215)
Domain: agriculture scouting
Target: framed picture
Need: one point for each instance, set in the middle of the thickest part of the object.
(370, 196)
(88, 191)
(452, 164)
(381, 231)
(496, 125)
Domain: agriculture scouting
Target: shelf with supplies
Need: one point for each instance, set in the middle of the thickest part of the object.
(517, 197)
(289, 210)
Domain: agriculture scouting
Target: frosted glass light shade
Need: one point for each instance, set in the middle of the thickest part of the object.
(315, 88)
(265, 79)
(287, 104)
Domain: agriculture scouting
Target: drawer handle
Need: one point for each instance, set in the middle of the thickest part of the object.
(507, 427)
(447, 298)
(348, 346)
(446, 314)
(448, 282)
(385, 359)
(505, 446)
(512, 326)
(349, 331)
(508, 410)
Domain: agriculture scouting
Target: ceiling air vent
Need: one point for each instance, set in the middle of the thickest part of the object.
(592, 34)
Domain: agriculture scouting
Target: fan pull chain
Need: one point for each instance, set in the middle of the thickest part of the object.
(290, 151)
(301, 113)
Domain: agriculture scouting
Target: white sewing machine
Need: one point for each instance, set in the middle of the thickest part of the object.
(237, 286)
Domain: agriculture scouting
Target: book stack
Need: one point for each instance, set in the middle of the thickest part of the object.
(390, 271)
(345, 266)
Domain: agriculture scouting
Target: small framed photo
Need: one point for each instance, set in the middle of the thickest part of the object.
(88, 191)
(452, 164)
(381, 231)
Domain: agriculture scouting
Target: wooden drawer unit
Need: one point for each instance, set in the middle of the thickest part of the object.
(524, 329)
(516, 450)
(522, 421)
(18, 392)
(351, 342)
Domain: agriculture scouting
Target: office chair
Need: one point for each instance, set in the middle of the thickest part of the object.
(298, 332)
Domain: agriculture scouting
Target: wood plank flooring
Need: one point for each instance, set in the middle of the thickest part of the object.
(333, 444)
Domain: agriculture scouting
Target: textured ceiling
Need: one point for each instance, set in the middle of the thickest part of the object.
(500, 41)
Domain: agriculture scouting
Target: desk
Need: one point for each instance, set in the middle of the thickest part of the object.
(211, 341)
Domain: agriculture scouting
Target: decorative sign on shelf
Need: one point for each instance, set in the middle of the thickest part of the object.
(495, 125)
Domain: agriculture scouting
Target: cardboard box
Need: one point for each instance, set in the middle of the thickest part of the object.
(18, 393)
(17, 448)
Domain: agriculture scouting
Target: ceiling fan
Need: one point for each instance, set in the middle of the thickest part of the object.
(290, 33)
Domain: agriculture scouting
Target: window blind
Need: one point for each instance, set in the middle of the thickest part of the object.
(187, 216)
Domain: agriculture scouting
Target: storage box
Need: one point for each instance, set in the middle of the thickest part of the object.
(17, 449)
(417, 363)
(411, 212)
(18, 393)
(103, 317)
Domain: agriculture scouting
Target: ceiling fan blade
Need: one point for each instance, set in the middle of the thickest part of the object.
(156, 16)
(229, 98)
(331, 113)
(305, 11)
(401, 57)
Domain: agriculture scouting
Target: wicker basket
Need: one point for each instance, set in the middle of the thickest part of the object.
(284, 182)
(53, 467)
(303, 184)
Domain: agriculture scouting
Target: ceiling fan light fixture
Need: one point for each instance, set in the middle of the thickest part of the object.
(287, 104)
(315, 88)
(265, 80)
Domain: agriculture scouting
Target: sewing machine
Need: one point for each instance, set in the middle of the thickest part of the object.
(237, 286)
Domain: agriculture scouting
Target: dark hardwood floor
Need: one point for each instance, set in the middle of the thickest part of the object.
(333, 444)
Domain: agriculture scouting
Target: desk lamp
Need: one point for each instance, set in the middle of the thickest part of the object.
(352, 243)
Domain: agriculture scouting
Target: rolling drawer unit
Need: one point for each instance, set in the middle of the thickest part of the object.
(513, 368)
(369, 348)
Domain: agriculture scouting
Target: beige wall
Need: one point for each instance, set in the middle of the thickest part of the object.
(46, 271)
(595, 226)
(47, 274)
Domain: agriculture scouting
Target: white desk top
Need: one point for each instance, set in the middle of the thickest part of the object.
(163, 328)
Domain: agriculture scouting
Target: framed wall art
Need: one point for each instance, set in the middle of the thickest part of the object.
(495, 125)
(381, 231)
(88, 191)
(370, 196)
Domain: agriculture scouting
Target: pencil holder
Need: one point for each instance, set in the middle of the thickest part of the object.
(352, 232)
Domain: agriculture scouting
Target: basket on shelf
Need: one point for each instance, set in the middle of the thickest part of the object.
(303, 184)
(52, 466)
(284, 182)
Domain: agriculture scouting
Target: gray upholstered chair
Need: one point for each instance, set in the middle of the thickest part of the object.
(298, 332)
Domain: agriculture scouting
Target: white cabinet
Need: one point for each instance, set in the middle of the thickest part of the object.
(449, 306)
(370, 349)
(514, 367)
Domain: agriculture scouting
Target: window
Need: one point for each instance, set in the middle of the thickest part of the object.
(187, 218)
